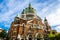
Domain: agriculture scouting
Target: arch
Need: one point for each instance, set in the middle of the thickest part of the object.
(30, 37)
(22, 39)
(38, 36)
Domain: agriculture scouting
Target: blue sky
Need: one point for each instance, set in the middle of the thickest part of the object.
(44, 8)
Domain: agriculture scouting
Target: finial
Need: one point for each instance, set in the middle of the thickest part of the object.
(23, 11)
(29, 4)
(45, 19)
(17, 15)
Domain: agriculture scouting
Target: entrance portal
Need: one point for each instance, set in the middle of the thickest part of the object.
(22, 39)
(30, 38)
(38, 39)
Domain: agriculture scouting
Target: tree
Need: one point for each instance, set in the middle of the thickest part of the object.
(57, 37)
(3, 34)
(51, 36)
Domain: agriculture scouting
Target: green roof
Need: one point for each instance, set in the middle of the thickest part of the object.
(29, 9)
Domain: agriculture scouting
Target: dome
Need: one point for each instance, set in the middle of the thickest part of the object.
(29, 9)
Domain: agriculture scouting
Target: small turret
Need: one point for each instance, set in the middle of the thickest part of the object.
(17, 15)
(23, 16)
(45, 21)
(23, 11)
(16, 20)
(29, 5)
(48, 28)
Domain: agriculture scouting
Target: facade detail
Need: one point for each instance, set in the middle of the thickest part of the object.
(28, 26)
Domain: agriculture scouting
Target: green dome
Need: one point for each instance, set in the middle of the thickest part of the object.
(29, 9)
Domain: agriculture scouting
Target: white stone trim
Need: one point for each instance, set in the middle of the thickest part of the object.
(18, 24)
(30, 14)
(36, 34)
(29, 21)
(19, 37)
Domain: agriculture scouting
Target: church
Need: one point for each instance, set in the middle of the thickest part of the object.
(28, 26)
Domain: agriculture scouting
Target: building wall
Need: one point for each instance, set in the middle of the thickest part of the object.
(24, 27)
(16, 30)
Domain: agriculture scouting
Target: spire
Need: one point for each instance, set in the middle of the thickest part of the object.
(29, 5)
(16, 19)
(23, 11)
(45, 19)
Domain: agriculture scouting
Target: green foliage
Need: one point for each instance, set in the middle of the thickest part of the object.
(57, 37)
(51, 35)
(3, 34)
(54, 36)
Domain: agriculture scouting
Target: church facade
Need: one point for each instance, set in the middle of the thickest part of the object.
(28, 26)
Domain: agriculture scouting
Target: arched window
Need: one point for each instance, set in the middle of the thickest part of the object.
(22, 39)
(30, 37)
(39, 37)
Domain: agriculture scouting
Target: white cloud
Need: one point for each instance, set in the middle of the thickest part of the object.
(59, 0)
(54, 17)
(0, 28)
(15, 6)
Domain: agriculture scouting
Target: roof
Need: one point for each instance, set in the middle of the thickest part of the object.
(29, 9)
